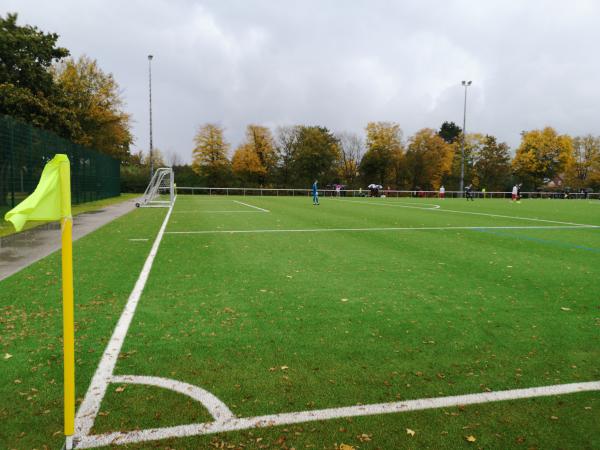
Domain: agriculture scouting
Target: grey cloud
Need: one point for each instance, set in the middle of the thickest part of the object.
(338, 63)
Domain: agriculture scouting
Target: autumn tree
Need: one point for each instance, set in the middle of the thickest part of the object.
(428, 159)
(209, 157)
(491, 164)
(384, 150)
(314, 155)
(542, 156)
(586, 161)
(96, 102)
(351, 150)
(255, 159)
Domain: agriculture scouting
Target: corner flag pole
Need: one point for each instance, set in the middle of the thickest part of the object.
(66, 223)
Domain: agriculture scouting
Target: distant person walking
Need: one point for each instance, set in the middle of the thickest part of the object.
(515, 193)
(442, 192)
(469, 193)
(338, 188)
(315, 192)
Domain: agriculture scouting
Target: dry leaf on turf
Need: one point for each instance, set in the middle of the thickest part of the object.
(7, 356)
(120, 389)
(410, 432)
(346, 447)
(470, 438)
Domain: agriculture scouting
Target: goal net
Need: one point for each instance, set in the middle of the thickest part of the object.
(161, 190)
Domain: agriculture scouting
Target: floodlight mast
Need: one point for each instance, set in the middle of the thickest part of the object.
(150, 102)
(466, 84)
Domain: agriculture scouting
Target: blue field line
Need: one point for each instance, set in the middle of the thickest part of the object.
(539, 240)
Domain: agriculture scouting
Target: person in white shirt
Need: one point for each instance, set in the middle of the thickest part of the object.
(442, 192)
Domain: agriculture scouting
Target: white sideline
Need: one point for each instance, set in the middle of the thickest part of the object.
(195, 429)
(216, 211)
(251, 206)
(90, 406)
(396, 204)
(215, 407)
(321, 230)
(440, 209)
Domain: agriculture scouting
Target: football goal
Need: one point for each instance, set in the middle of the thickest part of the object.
(160, 191)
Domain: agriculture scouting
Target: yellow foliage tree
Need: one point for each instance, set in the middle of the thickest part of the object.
(542, 156)
(586, 162)
(246, 164)
(428, 159)
(94, 98)
(382, 161)
(209, 157)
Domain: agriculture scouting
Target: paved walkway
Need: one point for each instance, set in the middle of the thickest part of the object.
(18, 251)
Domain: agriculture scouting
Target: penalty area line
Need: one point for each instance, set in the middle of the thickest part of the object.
(234, 424)
(251, 206)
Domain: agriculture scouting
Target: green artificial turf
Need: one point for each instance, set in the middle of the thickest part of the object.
(273, 322)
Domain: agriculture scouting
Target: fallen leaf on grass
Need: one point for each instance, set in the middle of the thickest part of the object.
(284, 367)
(346, 447)
(565, 309)
(364, 437)
(410, 432)
(7, 356)
(120, 389)
(470, 438)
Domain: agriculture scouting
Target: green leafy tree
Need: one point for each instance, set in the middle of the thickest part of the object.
(209, 157)
(492, 164)
(285, 143)
(450, 132)
(314, 156)
(542, 156)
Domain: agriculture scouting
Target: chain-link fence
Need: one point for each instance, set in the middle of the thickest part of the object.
(25, 150)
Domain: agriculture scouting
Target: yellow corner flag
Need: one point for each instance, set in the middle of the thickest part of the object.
(51, 200)
(46, 202)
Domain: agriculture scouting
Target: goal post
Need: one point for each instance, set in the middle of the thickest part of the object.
(160, 191)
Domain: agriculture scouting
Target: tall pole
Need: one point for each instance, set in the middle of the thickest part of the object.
(466, 84)
(150, 98)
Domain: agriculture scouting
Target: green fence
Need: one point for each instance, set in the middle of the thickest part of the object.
(24, 150)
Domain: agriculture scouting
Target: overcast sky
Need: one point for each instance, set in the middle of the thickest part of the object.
(339, 64)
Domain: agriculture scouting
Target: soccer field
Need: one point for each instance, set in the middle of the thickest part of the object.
(267, 322)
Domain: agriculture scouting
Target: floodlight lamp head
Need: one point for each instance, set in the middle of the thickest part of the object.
(150, 57)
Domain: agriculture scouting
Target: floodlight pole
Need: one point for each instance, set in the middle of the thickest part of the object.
(466, 84)
(150, 101)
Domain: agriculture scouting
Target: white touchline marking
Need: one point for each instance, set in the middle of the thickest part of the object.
(215, 407)
(397, 204)
(251, 206)
(322, 230)
(90, 406)
(440, 210)
(216, 211)
(138, 240)
(233, 424)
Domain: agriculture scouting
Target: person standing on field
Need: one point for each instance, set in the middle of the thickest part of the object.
(515, 193)
(469, 193)
(315, 192)
(442, 192)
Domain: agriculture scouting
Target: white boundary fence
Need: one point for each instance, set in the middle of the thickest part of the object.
(366, 193)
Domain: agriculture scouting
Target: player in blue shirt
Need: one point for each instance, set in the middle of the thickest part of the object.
(315, 193)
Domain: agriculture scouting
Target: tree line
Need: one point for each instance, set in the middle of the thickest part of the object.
(40, 83)
(294, 156)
